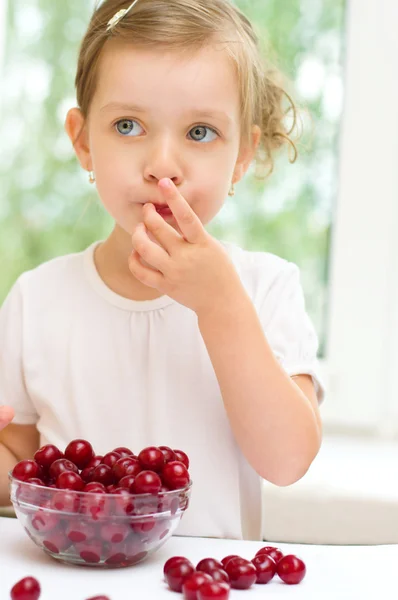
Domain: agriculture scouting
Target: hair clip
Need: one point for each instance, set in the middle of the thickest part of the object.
(119, 16)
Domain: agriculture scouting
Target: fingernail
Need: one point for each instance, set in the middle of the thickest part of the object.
(165, 183)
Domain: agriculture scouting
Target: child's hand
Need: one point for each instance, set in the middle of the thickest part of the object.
(191, 266)
(6, 416)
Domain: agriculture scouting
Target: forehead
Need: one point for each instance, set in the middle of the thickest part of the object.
(158, 78)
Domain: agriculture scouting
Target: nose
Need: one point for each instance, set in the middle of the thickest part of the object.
(163, 161)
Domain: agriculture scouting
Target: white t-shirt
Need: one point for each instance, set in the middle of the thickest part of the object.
(80, 361)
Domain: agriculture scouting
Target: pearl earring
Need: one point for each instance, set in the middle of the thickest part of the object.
(232, 190)
(91, 177)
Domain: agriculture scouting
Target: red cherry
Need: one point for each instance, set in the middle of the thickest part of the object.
(26, 589)
(191, 585)
(177, 575)
(151, 459)
(90, 552)
(99, 598)
(175, 475)
(46, 455)
(95, 505)
(146, 482)
(65, 502)
(70, 481)
(208, 564)
(174, 561)
(291, 569)
(168, 454)
(182, 457)
(127, 465)
(60, 466)
(123, 451)
(114, 533)
(123, 503)
(241, 575)
(219, 575)
(94, 486)
(95, 461)
(36, 481)
(111, 458)
(56, 541)
(227, 558)
(44, 520)
(210, 591)
(265, 567)
(79, 452)
(103, 474)
(26, 469)
(80, 531)
(274, 553)
(87, 474)
(126, 482)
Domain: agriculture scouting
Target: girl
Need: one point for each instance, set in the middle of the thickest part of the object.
(161, 334)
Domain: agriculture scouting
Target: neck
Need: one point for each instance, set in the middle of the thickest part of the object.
(111, 261)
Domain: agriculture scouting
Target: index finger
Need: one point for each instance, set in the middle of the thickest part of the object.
(189, 223)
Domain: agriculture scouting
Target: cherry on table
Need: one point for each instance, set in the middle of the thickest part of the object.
(99, 598)
(227, 558)
(174, 561)
(208, 564)
(46, 455)
(175, 475)
(271, 551)
(242, 575)
(26, 589)
(265, 567)
(26, 469)
(79, 452)
(219, 575)
(213, 591)
(191, 585)
(291, 569)
(177, 575)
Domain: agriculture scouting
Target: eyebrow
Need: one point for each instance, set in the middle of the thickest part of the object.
(214, 114)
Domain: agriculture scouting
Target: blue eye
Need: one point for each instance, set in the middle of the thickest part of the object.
(125, 127)
(200, 130)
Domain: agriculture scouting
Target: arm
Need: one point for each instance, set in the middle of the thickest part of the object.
(274, 418)
(17, 442)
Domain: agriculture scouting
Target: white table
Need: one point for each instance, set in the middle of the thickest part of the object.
(333, 572)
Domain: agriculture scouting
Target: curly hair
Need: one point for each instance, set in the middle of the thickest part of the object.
(188, 25)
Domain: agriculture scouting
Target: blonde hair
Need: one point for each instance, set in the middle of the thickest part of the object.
(188, 25)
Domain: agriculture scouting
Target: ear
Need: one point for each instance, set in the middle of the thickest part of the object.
(76, 129)
(247, 153)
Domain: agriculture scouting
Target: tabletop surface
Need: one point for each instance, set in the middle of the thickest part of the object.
(333, 572)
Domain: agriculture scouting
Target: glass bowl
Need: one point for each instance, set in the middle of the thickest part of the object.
(97, 529)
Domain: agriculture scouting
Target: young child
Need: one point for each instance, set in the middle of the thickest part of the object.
(161, 334)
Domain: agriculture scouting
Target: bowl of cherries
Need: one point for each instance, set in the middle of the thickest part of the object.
(101, 511)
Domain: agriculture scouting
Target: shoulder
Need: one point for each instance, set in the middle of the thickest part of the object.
(262, 272)
(54, 276)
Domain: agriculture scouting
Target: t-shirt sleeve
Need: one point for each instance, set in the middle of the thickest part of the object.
(12, 382)
(288, 327)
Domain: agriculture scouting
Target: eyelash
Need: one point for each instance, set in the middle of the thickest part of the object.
(195, 126)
